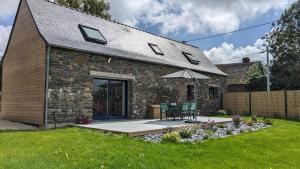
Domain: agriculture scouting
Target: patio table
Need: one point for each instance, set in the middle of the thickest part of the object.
(174, 107)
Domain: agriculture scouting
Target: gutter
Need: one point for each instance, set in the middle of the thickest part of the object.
(46, 87)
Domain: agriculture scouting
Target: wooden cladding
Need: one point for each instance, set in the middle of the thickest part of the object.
(23, 83)
(283, 104)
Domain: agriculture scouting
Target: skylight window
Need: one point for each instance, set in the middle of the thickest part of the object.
(156, 49)
(92, 35)
(194, 60)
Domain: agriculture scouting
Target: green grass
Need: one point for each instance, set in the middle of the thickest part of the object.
(74, 148)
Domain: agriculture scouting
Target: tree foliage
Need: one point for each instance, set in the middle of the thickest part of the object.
(284, 43)
(95, 7)
(256, 78)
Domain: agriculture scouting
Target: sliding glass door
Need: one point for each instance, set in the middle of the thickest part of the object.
(109, 98)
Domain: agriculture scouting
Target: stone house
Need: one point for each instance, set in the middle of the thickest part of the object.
(237, 75)
(61, 63)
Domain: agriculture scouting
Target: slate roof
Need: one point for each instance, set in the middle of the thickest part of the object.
(237, 72)
(59, 27)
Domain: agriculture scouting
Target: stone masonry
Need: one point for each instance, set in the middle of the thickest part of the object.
(70, 84)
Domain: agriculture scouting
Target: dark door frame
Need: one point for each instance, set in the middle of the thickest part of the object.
(108, 97)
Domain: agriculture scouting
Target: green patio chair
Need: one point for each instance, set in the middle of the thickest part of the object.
(184, 110)
(193, 109)
(164, 107)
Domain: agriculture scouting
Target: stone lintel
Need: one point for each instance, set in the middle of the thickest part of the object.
(112, 75)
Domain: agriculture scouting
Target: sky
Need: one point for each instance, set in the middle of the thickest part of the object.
(189, 19)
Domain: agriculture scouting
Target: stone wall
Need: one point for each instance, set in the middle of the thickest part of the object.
(70, 84)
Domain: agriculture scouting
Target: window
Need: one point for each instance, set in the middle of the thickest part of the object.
(190, 92)
(92, 35)
(156, 49)
(213, 92)
(192, 59)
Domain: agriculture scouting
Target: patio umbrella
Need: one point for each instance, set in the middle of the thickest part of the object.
(187, 74)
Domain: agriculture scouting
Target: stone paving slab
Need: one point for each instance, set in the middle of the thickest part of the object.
(141, 127)
(9, 125)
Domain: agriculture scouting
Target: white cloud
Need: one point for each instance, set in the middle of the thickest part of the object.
(8, 7)
(192, 16)
(228, 53)
(4, 35)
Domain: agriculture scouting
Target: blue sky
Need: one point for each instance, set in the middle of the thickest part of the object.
(189, 19)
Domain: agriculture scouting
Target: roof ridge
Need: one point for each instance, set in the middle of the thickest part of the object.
(114, 21)
(237, 63)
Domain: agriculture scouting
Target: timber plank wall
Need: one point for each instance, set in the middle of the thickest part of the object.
(23, 82)
(283, 104)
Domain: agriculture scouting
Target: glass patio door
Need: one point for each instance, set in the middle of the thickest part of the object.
(109, 99)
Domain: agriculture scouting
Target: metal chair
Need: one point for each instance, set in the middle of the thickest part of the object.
(184, 110)
(193, 109)
(164, 107)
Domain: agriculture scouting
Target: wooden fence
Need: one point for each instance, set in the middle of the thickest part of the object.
(283, 104)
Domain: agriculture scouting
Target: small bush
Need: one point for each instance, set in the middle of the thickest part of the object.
(168, 130)
(208, 134)
(221, 125)
(172, 137)
(249, 122)
(236, 120)
(228, 132)
(267, 121)
(254, 117)
(186, 133)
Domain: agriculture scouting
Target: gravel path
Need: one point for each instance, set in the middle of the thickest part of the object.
(8, 125)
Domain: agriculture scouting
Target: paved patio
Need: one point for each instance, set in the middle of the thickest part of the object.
(141, 127)
(9, 125)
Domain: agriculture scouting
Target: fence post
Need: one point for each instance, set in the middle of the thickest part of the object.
(285, 105)
(250, 107)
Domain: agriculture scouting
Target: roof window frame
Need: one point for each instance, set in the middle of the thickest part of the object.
(191, 58)
(160, 52)
(90, 39)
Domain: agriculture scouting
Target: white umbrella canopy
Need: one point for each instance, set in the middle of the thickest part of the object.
(187, 74)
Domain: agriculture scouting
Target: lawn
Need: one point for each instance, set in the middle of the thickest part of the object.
(74, 148)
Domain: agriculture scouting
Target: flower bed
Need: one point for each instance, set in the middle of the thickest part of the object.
(202, 132)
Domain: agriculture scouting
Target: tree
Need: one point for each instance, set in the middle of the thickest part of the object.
(284, 43)
(95, 7)
(256, 78)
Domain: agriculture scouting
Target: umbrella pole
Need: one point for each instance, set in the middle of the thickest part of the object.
(196, 89)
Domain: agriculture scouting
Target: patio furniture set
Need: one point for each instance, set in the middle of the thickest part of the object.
(177, 110)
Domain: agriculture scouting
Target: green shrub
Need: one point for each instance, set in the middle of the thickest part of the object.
(267, 121)
(186, 133)
(221, 125)
(172, 137)
(236, 120)
(208, 134)
(249, 122)
(168, 130)
(254, 117)
(228, 132)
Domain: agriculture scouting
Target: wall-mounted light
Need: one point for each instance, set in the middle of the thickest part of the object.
(109, 60)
